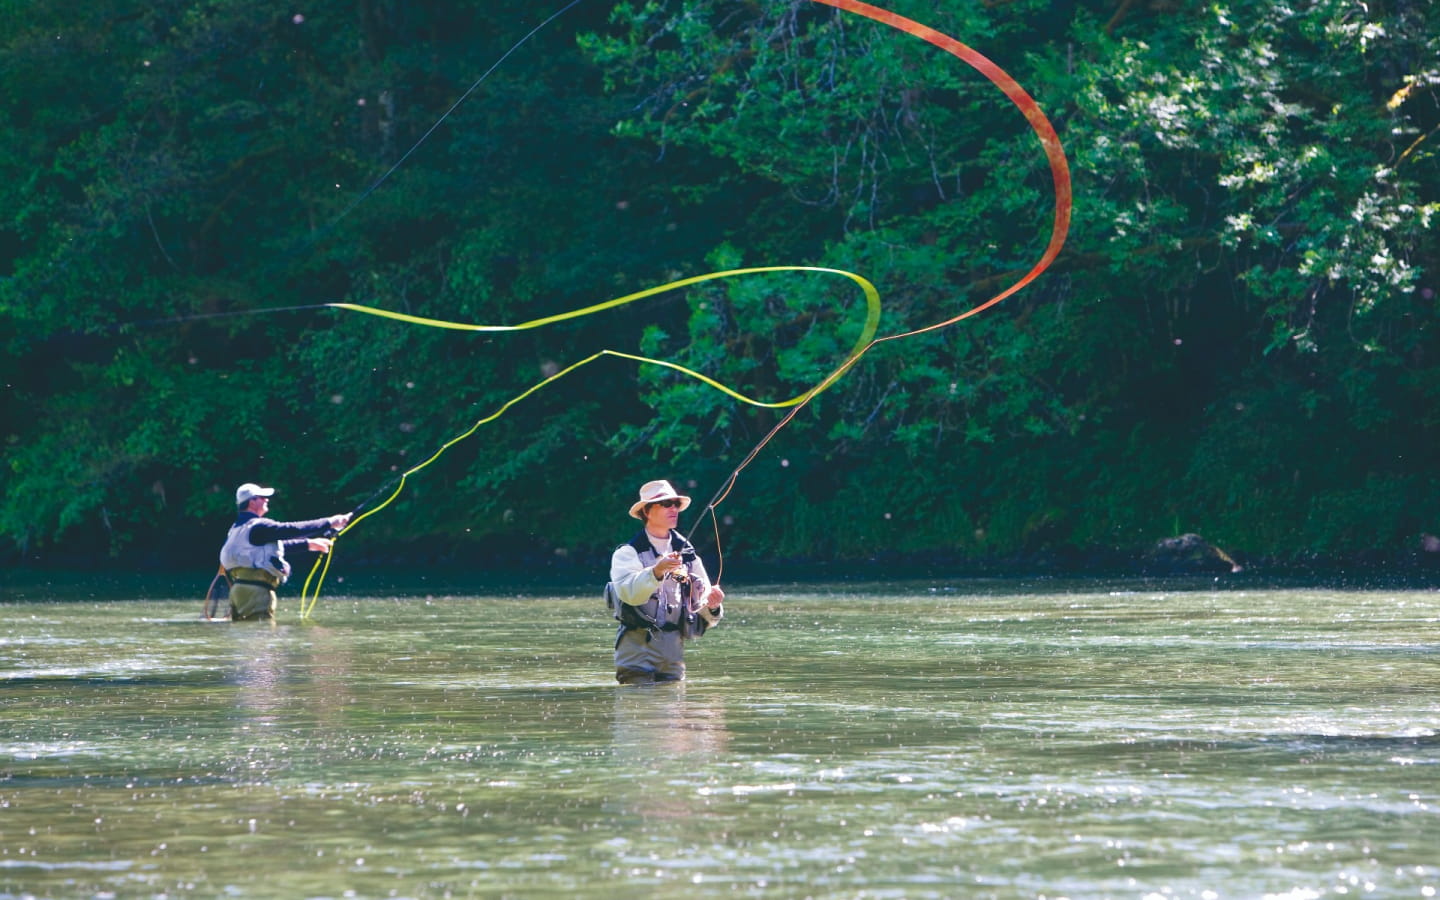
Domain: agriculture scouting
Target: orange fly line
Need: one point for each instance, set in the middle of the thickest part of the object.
(1060, 226)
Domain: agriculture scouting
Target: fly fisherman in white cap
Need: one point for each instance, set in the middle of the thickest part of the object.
(659, 591)
(254, 553)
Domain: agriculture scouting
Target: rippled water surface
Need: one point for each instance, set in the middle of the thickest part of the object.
(938, 739)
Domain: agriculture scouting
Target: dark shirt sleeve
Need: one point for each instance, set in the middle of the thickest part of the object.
(265, 531)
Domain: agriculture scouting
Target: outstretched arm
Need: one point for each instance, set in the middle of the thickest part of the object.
(266, 531)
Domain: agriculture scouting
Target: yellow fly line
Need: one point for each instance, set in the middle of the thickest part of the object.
(1060, 174)
(309, 597)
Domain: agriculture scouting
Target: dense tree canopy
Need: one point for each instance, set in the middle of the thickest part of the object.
(1240, 337)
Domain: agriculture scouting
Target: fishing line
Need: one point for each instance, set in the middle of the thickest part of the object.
(228, 314)
(309, 598)
(438, 122)
(355, 202)
(1060, 175)
(363, 195)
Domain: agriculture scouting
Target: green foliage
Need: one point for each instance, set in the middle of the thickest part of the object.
(1238, 340)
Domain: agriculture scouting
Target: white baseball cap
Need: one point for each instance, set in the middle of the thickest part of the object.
(247, 492)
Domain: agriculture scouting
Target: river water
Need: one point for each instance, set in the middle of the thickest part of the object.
(966, 738)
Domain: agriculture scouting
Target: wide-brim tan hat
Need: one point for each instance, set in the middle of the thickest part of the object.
(654, 492)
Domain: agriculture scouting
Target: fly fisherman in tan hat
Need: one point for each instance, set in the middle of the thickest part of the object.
(659, 592)
(254, 553)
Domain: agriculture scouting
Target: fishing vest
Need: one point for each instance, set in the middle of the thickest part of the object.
(650, 614)
(239, 553)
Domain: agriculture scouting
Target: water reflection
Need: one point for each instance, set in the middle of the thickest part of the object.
(991, 743)
(291, 688)
(667, 739)
(260, 668)
(664, 722)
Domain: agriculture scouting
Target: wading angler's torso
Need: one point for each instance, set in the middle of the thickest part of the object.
(239, 553)
(656, 615)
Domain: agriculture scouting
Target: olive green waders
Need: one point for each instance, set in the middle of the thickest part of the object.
(252, 593)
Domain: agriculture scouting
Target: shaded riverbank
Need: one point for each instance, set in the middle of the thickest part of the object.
(352, 573)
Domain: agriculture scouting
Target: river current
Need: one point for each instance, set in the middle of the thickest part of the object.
(961, 738)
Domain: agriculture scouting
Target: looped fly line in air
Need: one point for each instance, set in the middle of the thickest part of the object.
(309, 597)
(1060, 174)
(1060, 227)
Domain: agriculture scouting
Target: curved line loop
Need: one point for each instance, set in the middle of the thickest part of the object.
(1060, 175)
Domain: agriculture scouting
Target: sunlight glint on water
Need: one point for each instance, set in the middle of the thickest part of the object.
(965, 739)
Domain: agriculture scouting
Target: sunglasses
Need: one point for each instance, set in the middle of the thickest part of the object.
(668, 504)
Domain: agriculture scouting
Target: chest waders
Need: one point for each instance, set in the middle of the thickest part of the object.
(253, 572)
(252, 593)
